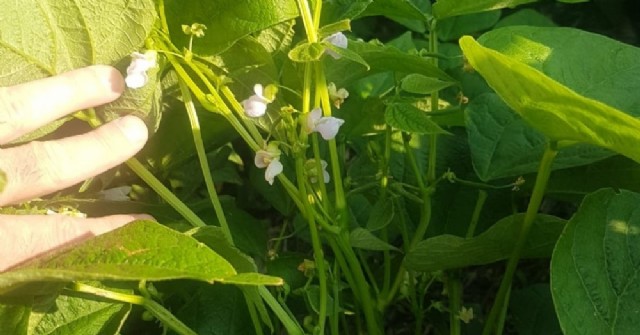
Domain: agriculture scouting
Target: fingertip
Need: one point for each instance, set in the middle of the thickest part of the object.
(134, 129)
(110, 78)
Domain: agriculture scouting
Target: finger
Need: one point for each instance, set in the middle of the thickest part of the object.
(28, 236)
(38, 168)
(26, 107)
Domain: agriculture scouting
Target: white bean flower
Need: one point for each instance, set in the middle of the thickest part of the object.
(339, 40)
(310, 166)
(269, 159)
(256, 105)
(327, 126)
(137, 70)
(337, 96)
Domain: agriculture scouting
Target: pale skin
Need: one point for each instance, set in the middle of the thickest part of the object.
(39, 168)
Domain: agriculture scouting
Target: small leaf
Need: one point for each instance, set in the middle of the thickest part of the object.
(336, 27)
(448, 8)
(307, 52)
(409, 118)
(496, 243)
(140, 250)
(557, 111)
(347, 54)
(419, 84)
(364, 239)
(594, 268)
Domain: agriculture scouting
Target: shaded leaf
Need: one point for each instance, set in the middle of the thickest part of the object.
(419, 84)
(448, 8)
(594, 267)
(307, 52)
(381, 215)
(409, 118)
(496, 243)
(533, 312)
(364, 239)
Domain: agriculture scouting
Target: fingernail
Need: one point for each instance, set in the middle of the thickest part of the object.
(133, 128)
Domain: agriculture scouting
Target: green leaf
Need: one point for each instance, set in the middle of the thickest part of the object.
(594, 267)
(409, 118)
(525, 17)
(49, 37)
(14, 318)
(380, 59)
(336, 27)
(395, 9)
(381, 215)
(448, 8)
(215, 239)
(227, 20)
(70, 315)
(364, 239)
(307, 52)
(419, 84)
(140, 250)
(559, 112)
(452, 28)
(496, 243)
(346, 53)
(503, 144)
(533, 312)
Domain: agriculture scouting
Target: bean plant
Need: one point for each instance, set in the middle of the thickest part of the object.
(340, 167)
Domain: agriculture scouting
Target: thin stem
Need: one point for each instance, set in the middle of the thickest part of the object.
(454, 290)
(163, 17)
(544, 171)
(202, 158)
(165, 193)
(307, 19)
(288, 322)
(475, 217)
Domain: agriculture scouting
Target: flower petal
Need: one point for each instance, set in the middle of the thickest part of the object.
(136, 79)
(312, 118)
(262, 159)
(255, 106)
(328, 127)
(275, 168)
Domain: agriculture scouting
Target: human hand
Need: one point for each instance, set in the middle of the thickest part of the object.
(38, 168)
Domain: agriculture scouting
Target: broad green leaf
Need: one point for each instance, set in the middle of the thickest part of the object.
(71, 315)
(216, 309)
(594, 268)
(137, 251)
(504, 145)
(285, 266)
(409, 118)
(608, 75)
(48, 37)
(554, 109)
(448, 8)
(380, 59)
(496, 243)
(532, 311)
(307, 52)
(333, 11)
(336, 27)
(419, 84)
(395, 9)
(525, 17)
(14, 318)
(215, 239)
(227, 20)
(364, 239)
(450, 29)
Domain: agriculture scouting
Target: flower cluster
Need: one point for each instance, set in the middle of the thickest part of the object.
(137, 70)
(256, 105)
(327, 126)
(312, 171)
(337, 96)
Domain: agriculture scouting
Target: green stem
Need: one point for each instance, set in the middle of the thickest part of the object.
(202, 158)
(544, 171)
(288, 322)
(153, 307)
(475, 217)
(454, 290)
(307, 19)
(165, 193)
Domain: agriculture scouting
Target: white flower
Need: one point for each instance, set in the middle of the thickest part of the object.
(327, 126)
(120, 193)
(339, 40)
(137, 70)
(310, 166)
(269, 159)
(337, 96)
(256, 105)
